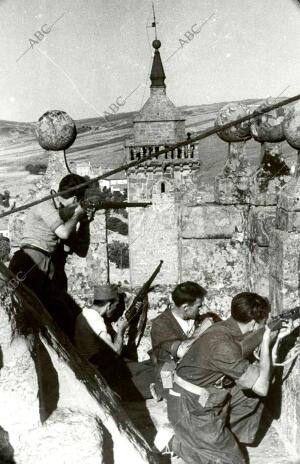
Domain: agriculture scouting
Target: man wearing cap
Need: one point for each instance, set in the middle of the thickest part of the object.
(106, 299)
(40, 261)
(98, 342)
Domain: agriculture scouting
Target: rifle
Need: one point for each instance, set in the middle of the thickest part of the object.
(276, 322)
(133, 311)
(94, 203)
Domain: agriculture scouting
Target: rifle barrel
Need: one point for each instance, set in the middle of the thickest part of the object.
(118, 205)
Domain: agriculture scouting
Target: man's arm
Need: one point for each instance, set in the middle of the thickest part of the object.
(261, 386)
(79, 241)
(64, 230)
(97, 325)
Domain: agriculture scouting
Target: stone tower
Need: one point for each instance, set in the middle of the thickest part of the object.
(153, 231)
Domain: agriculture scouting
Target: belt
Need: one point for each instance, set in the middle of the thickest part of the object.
(33, 247)
(201, 392)
(190, 387)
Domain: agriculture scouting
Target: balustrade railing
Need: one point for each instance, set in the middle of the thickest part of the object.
(175, 155)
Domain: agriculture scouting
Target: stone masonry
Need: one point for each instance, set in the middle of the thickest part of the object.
(242, 237)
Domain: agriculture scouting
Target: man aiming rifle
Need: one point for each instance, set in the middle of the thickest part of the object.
(41, 259)
(103, 345)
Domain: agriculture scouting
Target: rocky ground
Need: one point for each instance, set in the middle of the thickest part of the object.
(148, 416)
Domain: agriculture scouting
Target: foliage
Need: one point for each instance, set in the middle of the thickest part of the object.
(118, 253)
(36, 168)
(4, 199)
(116, 225)
(4, 247)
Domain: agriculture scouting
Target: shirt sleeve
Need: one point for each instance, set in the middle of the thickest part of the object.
(95, 321)
(50, 215)
(227, 359)
(249, 377)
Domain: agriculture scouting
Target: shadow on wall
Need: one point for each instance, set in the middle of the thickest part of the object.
(108, 446)
(48, 383)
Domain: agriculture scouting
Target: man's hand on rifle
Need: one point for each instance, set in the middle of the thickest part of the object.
(122, 324)
(287, 329)
(89, 214)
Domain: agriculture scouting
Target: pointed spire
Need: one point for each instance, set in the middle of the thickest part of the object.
(157, 75)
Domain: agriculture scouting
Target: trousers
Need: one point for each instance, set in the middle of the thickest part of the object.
(213, 434)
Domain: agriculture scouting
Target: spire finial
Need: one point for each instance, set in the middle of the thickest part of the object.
(154, 21)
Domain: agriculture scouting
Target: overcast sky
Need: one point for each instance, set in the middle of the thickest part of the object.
(99, 50)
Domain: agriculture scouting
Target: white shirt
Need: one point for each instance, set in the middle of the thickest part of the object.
(88, 328)
(188, 326)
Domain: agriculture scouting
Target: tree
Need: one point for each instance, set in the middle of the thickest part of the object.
(116, 225)
(118, 253)
(4, 199)
(4, 247)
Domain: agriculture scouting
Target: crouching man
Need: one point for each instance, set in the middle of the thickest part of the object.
(174, 330)
(97, 341)
(215, 405)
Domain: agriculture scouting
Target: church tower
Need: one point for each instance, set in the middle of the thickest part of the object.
(153, 231)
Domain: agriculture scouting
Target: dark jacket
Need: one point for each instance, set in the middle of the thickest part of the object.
(166, 336)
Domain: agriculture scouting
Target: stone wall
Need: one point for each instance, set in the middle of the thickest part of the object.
(241, 236)
(212, 251)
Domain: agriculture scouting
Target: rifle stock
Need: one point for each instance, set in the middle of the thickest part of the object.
(132, 311)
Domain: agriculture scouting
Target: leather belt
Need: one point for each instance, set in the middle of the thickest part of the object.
(33, 247)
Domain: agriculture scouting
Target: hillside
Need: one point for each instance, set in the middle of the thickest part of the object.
(101, 143)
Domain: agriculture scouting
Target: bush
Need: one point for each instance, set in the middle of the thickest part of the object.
(4, 199)
(4, 248)
(116, 225)
(118, 253)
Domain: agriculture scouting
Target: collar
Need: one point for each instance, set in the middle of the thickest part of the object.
(188, 326)
(233, 326)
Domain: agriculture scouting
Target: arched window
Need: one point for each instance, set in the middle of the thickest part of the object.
(162, 187)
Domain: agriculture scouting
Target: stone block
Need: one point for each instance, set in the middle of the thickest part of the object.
(289, 422)
(288, 220)
(261, 222)
(284, 257)
(219, 300)
(153, 236)
(211, 221)
(258, 271)
(232, 189)
(282, 295)
(264, 195)
(214, 263)
(289, 197)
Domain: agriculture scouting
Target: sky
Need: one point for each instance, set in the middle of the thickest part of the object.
(94, 53)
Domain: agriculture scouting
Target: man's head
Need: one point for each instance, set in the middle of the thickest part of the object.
(106, 300)
(188, 298)
(250, 310)
(69, 181)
